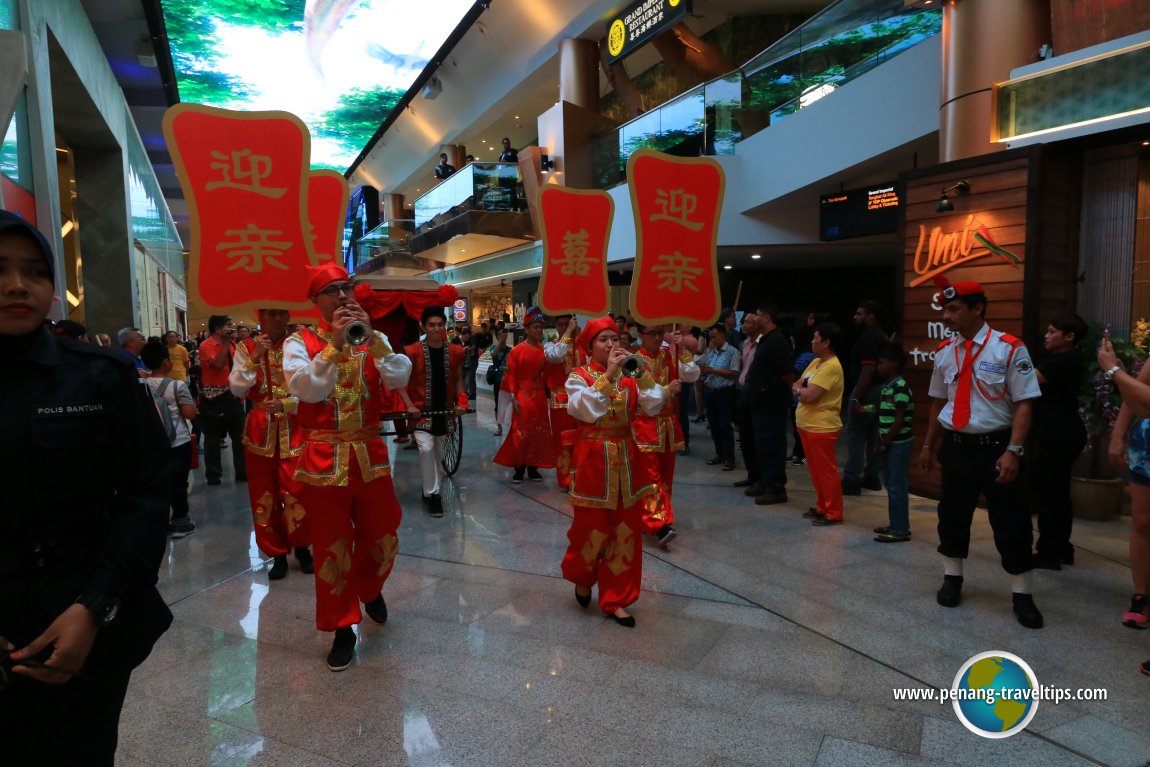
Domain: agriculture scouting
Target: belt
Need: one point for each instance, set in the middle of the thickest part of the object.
(609, 432)
(1000, 437)
(336, 436)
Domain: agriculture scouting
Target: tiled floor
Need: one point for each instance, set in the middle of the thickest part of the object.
(760, 640)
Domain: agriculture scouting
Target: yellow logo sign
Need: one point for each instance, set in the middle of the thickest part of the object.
(674, 3)
(616, 37)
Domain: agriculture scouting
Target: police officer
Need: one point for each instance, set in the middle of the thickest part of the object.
(983, 385)
(83, 523)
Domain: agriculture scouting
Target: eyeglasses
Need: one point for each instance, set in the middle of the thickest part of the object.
(334, 290)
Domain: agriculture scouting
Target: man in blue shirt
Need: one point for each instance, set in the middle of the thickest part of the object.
(720, 366)
(131, 342)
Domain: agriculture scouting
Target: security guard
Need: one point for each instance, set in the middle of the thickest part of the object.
(83, 523)
(983, 384)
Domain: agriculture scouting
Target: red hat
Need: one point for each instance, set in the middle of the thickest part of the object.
(958, 289)
(534, 314)
(592, 329)
(319, 276)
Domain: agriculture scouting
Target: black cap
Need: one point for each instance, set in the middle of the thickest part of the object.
(14, 222)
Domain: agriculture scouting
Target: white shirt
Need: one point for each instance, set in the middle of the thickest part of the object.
(312, 378)
(1003, 375)
(176, 393)
(587, 405)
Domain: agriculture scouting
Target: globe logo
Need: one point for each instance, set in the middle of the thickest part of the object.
(995, 694)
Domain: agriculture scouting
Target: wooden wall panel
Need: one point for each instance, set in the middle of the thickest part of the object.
(1077, 24)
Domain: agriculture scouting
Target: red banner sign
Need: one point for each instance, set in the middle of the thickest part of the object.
(575, 228)
(676, 203)
(245, 176)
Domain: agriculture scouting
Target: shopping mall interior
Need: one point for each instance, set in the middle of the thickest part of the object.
(867, 148)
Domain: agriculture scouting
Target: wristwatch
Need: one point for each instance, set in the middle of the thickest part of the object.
(1109, 374)
(103, 608)
(1018, 450)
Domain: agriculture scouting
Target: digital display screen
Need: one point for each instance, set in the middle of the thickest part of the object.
(339, 65)
(859, 212)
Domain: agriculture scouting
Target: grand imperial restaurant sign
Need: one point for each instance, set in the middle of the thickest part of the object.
(641, 21)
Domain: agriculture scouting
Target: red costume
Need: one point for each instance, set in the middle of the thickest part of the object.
(529, 442)
(660, 438)
(344, 471)
(430, 433)
(272, 442)
(611, 482)
(562, 357)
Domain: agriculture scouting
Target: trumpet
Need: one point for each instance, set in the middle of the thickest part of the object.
(357, 334)
(632, 366)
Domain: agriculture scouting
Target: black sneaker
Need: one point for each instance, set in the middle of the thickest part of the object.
(812, 513)
(951, 592)
(434, 505)
(304, 557)
(798, 460)
(533, 474)
(376, 609)
(181, 529)
(1027, 611)
(279, 568)
(342, 650)
(517, 478)
(665, 535)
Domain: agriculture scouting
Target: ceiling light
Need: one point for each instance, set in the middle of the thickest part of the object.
(728, 266)
(756, 255)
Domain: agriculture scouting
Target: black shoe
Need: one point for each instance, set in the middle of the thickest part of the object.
(582, 599)
(181, 529)
(1047, 562)
(376, 609)
(754, 491)
(798, 460)
(770, 499)
(812, 513)
(850, 488)
(824, 521)
(729, 464)
(665, 535)
(214, 482)
(517, 478)
(951, 592)
(889, 537)
(628, 622)
(278, 569)
(882, 530)
(434, 505)
(871, 483)
(1027, 611)
(533, 474)
(714, 461)
(342, 650)
(306, 563)
(748, 482)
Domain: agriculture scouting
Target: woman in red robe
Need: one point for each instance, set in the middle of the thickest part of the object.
(529, 445)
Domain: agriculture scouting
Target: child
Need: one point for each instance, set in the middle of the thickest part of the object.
(178, 399)
(895, 412)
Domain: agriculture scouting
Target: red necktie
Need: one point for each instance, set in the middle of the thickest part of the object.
(962, 397)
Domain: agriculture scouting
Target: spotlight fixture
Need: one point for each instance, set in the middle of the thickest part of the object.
(944, 203)
(146, 52)
(546, 163)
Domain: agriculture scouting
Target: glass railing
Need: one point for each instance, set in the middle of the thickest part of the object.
(389, 239)
(843, 42)
(484, 186)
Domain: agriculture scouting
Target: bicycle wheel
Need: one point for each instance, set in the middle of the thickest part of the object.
(453, 447)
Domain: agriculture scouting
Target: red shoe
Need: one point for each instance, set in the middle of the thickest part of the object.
(1135, 617)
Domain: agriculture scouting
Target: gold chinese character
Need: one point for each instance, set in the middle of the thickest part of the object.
(575, 260)
(677, 207)
(253, 247)
(243, 165)
(676, 272)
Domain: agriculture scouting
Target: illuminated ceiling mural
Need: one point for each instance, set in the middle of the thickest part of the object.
(340, 65)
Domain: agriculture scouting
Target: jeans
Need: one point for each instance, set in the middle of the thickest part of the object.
(770, 433)
(861, 432)
(720, 412)
(896, 479)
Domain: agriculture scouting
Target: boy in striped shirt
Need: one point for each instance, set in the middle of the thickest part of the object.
(895, 412)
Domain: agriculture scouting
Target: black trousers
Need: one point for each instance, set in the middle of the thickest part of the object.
(968, 470)
(770, 430)
(222, 417)
(1048, 466)
(747, 440)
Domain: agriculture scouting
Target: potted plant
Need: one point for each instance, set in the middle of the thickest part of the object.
(1099, 494)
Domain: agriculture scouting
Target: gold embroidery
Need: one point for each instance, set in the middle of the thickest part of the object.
(383, 551)
(335, 568)
(593, 548)
(378, 348)
(331, 354)
(262, 511)
(337, 477)
(368, 470)
(294, 513)
(349, 392)
(621, 551)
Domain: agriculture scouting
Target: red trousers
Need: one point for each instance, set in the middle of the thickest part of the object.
(562, 423)
(277, 514)
(354, 544)
(823, 466)
(657, 510)
(606, 547)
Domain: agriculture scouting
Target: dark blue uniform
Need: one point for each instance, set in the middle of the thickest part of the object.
(83, 513)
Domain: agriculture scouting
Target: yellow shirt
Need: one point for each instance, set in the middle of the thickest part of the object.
(180, 362)
(822, 415)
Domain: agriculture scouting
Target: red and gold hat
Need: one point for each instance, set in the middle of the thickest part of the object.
(322, 275)
(592, 329)
(534, 314)
(962, 289)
